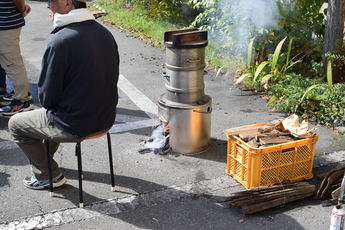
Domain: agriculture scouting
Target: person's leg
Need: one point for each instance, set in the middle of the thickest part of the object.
(12, 62)
(2, 80)
(29, 130)
(3, 90)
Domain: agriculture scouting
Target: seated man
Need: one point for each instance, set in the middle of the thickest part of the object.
(77, 89)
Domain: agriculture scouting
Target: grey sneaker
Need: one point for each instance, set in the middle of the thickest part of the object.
(33, 183)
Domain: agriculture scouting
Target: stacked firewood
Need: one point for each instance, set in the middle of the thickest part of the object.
(263, 198)
(330, 186)
(269, 134)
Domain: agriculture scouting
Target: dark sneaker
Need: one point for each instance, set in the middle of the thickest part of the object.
(3, 92)
(10, 96)
(33, 183)
(16, 106)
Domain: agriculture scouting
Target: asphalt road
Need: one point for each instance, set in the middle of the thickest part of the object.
(153, 191)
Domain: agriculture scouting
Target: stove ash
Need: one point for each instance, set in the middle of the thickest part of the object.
(158, 143)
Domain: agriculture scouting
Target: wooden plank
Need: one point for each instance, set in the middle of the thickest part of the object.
(336, 193)
(237, 131)
(253, 143)
(329, 180)
(324, 181)
(330, 202)
(275, 140)
(321, 175)
(248, 136)
(270, 126)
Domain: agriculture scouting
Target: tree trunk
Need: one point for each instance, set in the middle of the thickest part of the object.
(334, 37)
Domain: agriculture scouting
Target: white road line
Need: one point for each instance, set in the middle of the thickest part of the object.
(6, 145)
(118, 128)
(143, 102)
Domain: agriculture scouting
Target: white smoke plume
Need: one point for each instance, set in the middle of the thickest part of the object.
(242, 16)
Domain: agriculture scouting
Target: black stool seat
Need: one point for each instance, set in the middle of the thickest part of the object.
(80, 170)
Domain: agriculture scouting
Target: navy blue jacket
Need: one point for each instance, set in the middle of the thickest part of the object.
(78, 81)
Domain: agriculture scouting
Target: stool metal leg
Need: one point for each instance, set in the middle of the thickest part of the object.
(49, 159)
(80, 173)
(111, 163)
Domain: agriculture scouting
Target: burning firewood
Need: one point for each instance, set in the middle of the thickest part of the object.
(263, 198)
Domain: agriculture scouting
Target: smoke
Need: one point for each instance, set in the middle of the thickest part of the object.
(157, 142)
(157, 139)
(242, 20)
(262, 13)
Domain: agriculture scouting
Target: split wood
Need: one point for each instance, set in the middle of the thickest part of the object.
(330, 186)
(272, 133)
(330, 179)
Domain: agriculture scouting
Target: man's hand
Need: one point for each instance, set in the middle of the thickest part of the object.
(22, 8)
(26, 11)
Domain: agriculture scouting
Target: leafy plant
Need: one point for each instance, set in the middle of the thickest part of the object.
(329, 83)
(252, 74)
(278, 64)
(162, 8)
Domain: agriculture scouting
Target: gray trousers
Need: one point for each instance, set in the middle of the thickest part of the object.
(29, 130)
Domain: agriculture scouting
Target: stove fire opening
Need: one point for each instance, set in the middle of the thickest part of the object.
(158, 143)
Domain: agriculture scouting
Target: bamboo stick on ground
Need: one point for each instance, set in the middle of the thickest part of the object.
(271, 196)
(264, 206)
(263, 198)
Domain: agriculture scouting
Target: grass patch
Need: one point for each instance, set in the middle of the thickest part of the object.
(131, 20)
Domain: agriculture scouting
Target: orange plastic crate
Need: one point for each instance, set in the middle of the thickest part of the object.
(255, 167)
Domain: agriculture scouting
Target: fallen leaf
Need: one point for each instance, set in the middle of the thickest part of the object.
(242, 220)
(335, 132)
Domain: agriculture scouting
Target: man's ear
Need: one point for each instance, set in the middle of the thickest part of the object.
(69, 5)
